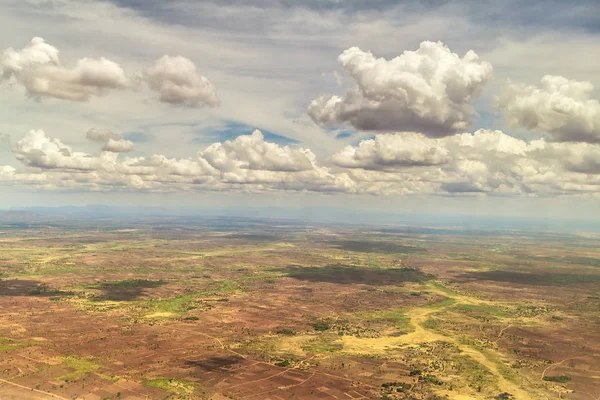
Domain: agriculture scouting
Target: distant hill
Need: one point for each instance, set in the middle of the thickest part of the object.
(17, 215)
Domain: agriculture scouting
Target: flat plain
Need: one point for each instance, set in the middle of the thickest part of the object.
(253, 309)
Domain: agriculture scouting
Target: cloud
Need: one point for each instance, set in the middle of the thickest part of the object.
(5, 139)
(248, 164)
(118, 146)
(461, 187)
(486, 161)
(252, 152)
(559, 106)
(251, 163)
(101, 135)
(574, 157)
(390, 151)
(38, 150)
(36, 53)
(483, 163)
(178, 82)
(38, 68)
(6, 171)
(427, 91)
(112, 142)
(161, 168)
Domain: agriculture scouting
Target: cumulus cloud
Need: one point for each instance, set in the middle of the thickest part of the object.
(38, 150)
(178, 82)
(101, 135)
(248, 163)
(118, 146)
(411, 149)
(485, 162)
(7, 171)
(112, 142)
(560, 107)
(427, 90)
(36, 53)
(390, 151)
(159, 164)
(254, 153)
(575, 157)
(38, 68)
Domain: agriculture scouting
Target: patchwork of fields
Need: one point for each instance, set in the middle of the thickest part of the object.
(269, 310)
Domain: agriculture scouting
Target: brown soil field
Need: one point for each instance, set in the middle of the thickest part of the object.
(267, 311)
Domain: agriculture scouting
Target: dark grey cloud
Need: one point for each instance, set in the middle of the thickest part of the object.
(158, 7)
(586, 166)
(557, 14)
(460, 187)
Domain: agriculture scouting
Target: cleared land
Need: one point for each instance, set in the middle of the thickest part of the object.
(270, 310)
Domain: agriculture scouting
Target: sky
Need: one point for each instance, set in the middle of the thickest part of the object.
(473, 107)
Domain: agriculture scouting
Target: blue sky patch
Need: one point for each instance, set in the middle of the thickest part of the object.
(138, 137)
(231, 130)
(344, 135)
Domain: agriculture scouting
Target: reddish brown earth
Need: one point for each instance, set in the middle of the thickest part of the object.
(104, 314)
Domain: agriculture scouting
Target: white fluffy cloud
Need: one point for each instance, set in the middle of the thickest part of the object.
(38, 68)
(391, 151)
(561, 107)
(6, 171)
(118, 146)
(252, 152)
(248, 163)
(160, 165)
(38, 150)
(251, 163)
(410, 149)
(427, 90)
(484, 162)
(178, 82)
(112, 142)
